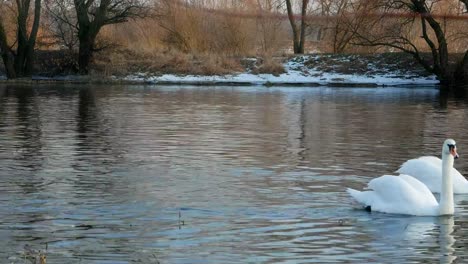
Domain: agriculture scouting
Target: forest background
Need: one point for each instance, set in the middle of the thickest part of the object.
(214, 37)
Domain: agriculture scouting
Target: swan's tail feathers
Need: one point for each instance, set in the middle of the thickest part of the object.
(360, 197)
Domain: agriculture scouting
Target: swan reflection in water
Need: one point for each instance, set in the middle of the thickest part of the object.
(446, 239)
(414, 237)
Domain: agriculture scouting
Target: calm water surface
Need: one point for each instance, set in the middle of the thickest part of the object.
(219, 175)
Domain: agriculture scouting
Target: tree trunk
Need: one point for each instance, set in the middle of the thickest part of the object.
(7, 56)
(440, 53)
(298, 36)
(303, 25)
(86, 49)
(20, 63)
(9, 66)
(29, 50)
(20, 58)
(296, 42)
(21, 36)
(105, 12)
(87, 33)
(84, 56)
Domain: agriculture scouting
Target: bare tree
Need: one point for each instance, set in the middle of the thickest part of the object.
(62, 23)
(18, 58)
(92, 15)
(399, 33)
(269, 23)
(341, 20)
(298, 34)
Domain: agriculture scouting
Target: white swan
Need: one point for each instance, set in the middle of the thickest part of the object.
(428, 170)
(406, 195)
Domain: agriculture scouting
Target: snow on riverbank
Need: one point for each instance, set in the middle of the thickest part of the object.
(308, 70)
(296, 74)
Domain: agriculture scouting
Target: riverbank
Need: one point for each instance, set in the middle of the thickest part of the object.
(308, 70)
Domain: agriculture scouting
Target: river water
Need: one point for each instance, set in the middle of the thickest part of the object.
(147, 174)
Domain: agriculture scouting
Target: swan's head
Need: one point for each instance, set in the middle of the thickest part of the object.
(450, 148)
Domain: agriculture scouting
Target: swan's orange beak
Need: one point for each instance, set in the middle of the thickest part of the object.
(454, 153)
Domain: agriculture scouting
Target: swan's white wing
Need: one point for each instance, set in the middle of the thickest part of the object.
(431, 159)
(420, 187)
(397, 195)
(460, 184)
(428, 170)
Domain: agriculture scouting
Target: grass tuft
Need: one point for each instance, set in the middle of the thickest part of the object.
(268, 65)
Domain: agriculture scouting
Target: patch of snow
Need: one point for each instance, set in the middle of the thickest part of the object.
(292, 77)
(296, 73)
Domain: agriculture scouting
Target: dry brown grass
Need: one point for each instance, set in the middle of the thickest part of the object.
(197, 30)
(194, 29)
(143, 35)
(123, 61)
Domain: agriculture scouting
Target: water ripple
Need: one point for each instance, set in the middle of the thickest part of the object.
(217, 175)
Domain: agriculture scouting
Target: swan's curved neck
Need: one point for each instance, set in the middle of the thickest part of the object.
(446, 205)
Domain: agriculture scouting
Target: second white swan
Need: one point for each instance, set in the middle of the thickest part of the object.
(428, 170)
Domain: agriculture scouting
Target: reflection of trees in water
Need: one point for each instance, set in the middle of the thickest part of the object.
(91, 145)
(341, 130)
(209, 133)
(20, 105)
(458, 96)
(189, 111)
(447, 119)
(314, 129)
(22, 145)
(29, 128)
(2, 93)
(3, 112)
(217, 122)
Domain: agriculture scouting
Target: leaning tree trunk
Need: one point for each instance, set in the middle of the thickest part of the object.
(440, 51)
(296, 41)
(303, 26)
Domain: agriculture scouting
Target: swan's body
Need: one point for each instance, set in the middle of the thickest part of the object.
(428, 170)
(397, 195)
(405, 194)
